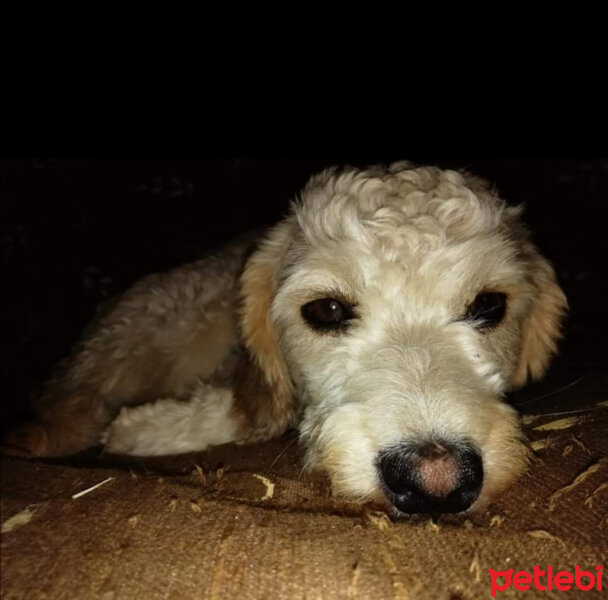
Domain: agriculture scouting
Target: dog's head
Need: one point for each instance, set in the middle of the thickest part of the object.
(399, 305)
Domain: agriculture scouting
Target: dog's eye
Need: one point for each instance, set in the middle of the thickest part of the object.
(327, 314)
(488, 309)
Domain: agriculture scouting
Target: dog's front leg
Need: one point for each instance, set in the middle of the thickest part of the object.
(209, 415)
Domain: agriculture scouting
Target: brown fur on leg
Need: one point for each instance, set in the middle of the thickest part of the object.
(67, 425)
(29, 441)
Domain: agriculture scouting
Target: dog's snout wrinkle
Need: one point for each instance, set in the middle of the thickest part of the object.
(433, 451)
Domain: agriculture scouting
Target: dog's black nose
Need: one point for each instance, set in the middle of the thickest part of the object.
(436, 477)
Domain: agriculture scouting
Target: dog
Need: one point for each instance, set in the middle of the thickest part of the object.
(386, 317)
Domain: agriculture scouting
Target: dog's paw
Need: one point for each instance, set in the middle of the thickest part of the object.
(29, 441)
(141, 431)
(170, 426)
(118, 437)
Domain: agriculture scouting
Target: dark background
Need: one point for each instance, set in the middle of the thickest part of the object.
(75, 232)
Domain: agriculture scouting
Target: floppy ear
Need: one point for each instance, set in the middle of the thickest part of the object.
(542, 328)
(263, 391)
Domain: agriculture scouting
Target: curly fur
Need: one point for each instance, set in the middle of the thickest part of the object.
(218, 351)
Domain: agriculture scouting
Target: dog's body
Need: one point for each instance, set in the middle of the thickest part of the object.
(386, 317)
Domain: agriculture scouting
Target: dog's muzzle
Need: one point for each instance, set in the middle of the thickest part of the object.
(435, 477)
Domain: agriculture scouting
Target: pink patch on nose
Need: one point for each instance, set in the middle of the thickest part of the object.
(438, 471)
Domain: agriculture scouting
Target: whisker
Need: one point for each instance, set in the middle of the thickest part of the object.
(548, 395)
(568, 412)
(291, 442)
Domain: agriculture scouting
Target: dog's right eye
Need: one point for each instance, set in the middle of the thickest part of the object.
(488, 309)
(327, 314)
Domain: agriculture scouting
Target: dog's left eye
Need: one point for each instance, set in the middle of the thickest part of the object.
(327, 314)
(488, 309)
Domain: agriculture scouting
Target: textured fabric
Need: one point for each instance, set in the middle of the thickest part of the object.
(243, 522)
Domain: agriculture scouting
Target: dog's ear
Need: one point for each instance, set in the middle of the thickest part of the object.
(542, 328)
(263, 388)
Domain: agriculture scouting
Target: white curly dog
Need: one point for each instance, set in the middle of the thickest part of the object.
(385, 317)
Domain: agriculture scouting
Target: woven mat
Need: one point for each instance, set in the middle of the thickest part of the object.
(245, 523)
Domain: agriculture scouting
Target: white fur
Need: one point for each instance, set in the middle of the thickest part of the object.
(172, 427)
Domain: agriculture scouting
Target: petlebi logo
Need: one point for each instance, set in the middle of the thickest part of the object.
(546, 580)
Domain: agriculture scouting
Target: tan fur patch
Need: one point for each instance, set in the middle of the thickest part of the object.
(262, 387)
(542, 328)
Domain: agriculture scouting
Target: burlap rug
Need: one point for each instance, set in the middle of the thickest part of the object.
(246, 523)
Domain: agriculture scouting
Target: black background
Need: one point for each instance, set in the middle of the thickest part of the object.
(75, 232)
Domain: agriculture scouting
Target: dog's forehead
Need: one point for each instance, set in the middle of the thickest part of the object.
(397, 206)
(361, 222)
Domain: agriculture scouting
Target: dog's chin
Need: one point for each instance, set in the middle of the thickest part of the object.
(379, 502)
(378, 498)
(390, 506)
